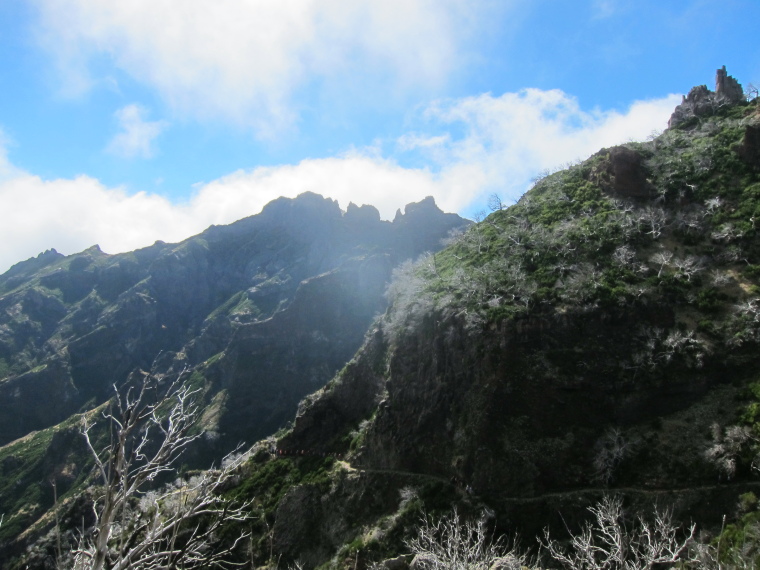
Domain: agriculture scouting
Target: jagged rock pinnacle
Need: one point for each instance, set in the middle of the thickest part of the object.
(701, 101)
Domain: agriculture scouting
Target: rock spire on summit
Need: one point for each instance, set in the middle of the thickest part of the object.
(701, 101)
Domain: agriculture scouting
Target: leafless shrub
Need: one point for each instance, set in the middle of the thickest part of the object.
(750, 309)
(451, 543)
(687, 267)
(690, 222)
(406, 496)
(661, 258)
(726, 233)
(683, 344)
(583, 282)
(454, 237)
(750, 92)
(624, 255)
(719, 277)
(652, 221)
(712, 205)
(609, 543)
(611, 449)
(495, 203)
(727, 446)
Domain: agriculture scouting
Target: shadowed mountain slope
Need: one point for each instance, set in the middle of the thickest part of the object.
(258, 314)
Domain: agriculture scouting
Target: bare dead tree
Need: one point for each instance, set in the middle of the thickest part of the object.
(609, 543)
(726, 233)
(687, 267)
(661, 258)
(173, 527)
(652, 221)
(750, 309)
(712, 205)
(624, 256)
(610, 451)
(495, 203)
(728, 446)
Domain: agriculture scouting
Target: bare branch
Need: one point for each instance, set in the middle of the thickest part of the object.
(172, 527)
(608, 543)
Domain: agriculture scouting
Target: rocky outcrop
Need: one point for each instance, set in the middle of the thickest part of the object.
(622, 173)
(700, 101)
(727, 88)
(749, 148)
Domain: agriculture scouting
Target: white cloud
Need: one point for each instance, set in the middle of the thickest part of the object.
(506, 141)
(137, 135)
(244, 60)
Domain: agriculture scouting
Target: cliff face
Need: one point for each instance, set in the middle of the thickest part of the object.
(599, 336)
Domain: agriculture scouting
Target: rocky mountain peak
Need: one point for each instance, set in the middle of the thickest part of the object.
(700, 101)
(422, 209)
(362, 214)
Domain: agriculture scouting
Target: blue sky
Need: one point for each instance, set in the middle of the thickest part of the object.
(126, 122)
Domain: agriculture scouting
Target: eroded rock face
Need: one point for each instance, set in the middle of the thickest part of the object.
(727, 87)
(295, 529)
(478, 417)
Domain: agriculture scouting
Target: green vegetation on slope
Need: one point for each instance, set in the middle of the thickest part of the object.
(622, 294)
(575, 244)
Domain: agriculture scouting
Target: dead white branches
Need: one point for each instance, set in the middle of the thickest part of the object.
(608, 543)
(175, 526)
(455, 544)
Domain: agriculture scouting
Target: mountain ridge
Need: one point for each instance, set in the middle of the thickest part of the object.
(257, 314)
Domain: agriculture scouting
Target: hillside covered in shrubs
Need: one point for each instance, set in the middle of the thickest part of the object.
(600, 336)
